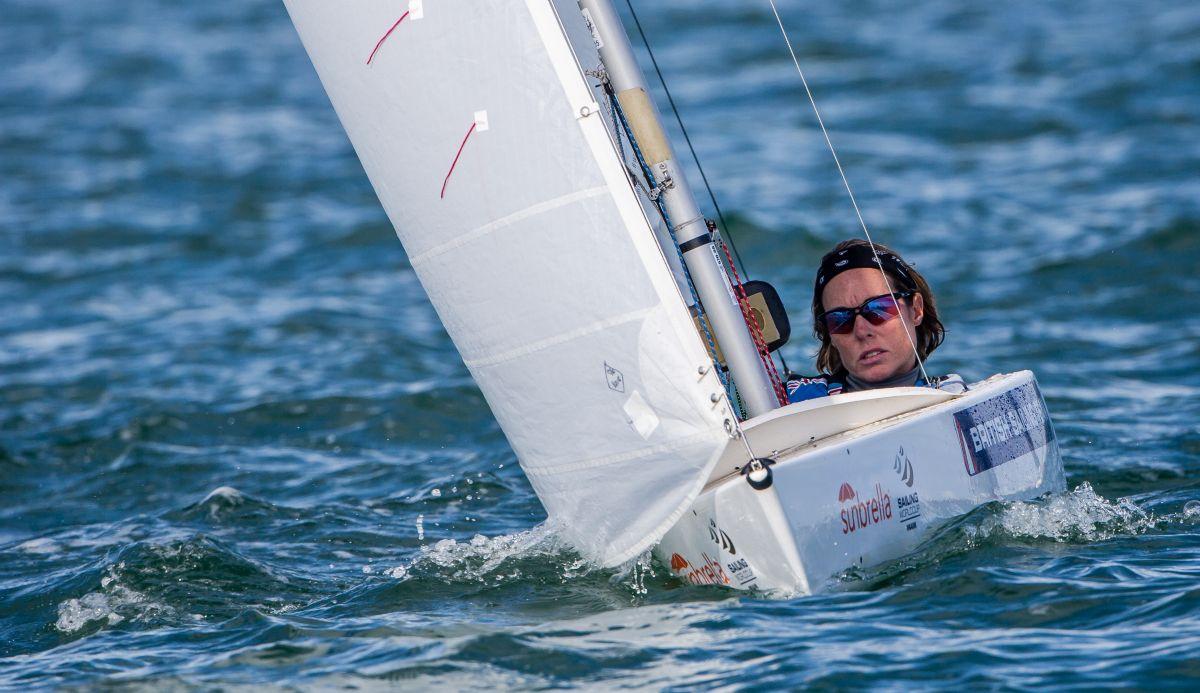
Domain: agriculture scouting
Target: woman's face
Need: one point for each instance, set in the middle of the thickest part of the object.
(873, 353)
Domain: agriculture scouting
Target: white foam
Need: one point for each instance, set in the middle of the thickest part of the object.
(632, 573)
(74, 614)
(476, 559)
(228, 494)
(111, 604)
(1078, 514)
(221, 498)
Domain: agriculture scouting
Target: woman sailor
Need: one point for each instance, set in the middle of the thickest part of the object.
(875, 330)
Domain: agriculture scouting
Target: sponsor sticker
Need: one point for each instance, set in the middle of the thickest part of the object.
(903, 466)
(1003, 428)
(739, 568)
(720, 538)
(859, 513)
(742, 572)
(908, 507)
(710, 573)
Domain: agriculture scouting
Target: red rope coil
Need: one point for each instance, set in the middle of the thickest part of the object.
(764, 353)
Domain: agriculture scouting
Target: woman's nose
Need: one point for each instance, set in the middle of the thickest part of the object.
(863, 327)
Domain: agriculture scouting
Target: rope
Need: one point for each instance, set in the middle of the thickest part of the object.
(683, 129)
(846, 183)
(617, 129)
(764, 353)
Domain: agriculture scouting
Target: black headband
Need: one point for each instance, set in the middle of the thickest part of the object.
(861, 257)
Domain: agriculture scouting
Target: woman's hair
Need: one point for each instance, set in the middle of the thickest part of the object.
(930, 332)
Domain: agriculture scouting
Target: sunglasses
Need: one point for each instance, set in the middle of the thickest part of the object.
(877, 311)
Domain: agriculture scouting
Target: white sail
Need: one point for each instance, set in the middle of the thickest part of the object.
(533, 249)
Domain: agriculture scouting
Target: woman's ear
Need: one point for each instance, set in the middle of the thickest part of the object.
(918, 308)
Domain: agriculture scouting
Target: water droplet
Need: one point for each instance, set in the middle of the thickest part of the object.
(1191, 509)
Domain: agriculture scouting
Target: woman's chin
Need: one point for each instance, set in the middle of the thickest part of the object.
(875, 372)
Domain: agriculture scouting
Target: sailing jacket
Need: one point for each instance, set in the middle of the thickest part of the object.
(801, 388)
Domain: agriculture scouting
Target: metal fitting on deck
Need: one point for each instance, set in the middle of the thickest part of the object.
(758, 473)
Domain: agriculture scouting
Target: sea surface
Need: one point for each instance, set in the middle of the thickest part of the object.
(237, 448)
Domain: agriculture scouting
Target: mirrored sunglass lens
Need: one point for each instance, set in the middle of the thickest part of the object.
(839, 321)
(880, 310)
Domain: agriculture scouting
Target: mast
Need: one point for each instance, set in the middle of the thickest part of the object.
(691, 231)
(488, 151)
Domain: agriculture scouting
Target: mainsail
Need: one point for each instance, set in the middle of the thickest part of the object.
(486, 146)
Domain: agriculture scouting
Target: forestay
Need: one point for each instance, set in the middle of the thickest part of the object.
(485, 145)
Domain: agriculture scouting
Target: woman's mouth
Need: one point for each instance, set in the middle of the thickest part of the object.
(871, 356)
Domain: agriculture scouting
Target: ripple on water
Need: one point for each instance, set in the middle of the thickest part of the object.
(238, 449)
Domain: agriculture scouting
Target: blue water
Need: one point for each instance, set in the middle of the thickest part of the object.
(236, 446)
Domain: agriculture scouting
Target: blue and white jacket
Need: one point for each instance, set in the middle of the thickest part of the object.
(801, 388)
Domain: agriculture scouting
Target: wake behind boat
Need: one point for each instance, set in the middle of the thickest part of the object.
(517, 152)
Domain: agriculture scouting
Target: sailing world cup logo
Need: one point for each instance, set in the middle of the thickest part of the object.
(719, 537)
(908, 506)
(903, 467)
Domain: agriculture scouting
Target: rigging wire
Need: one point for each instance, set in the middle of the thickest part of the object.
(619, 115)
(846, 182)
(724, 225)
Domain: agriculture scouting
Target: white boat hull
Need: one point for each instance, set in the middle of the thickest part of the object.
(858, 495)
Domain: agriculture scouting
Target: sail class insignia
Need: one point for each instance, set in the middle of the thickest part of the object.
(616, 379)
